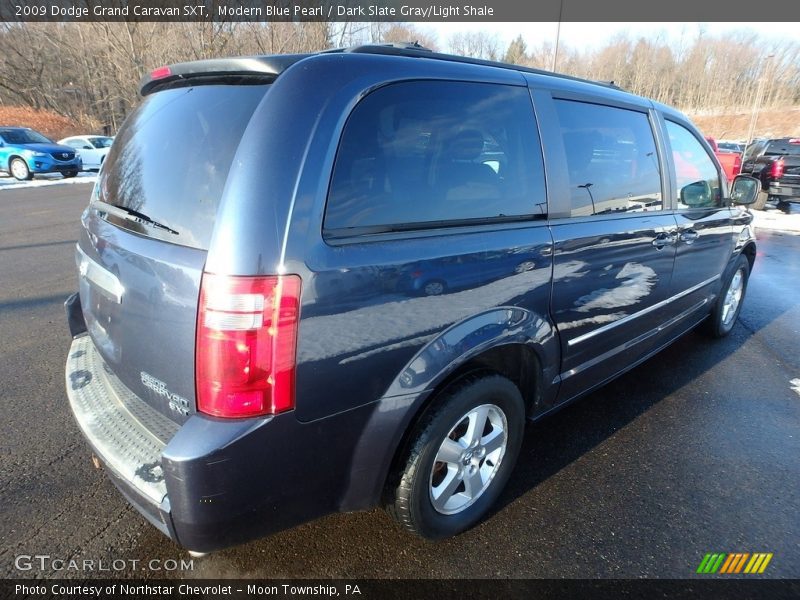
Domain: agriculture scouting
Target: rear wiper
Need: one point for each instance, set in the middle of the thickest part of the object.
(143, 218)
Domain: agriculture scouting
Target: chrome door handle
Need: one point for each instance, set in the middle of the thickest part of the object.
(689, 236)
(663, 239)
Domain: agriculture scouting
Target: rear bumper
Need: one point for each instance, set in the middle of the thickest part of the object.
(119, 427)
(785, 192)
(213, 483)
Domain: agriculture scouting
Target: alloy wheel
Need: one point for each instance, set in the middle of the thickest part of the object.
(468, 459)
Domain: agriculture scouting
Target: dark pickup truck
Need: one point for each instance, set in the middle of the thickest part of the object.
(776, 163)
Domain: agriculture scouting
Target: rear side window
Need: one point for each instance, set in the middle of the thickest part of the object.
(171, 158)
(695, 173)
(611, 158)
(101, 142)
(427, 153)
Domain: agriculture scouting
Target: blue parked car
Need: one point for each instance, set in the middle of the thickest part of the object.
(25, 152)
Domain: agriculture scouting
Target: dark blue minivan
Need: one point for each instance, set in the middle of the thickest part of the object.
(326, 282)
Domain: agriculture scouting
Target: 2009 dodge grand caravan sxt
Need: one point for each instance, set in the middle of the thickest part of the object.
(318, 283)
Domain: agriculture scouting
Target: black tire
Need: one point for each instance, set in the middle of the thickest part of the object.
(761, 200)
(69, 174)
(19, 169)
(721, 322)
(410, 499)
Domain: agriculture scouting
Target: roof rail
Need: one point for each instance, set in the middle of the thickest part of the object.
(382, 48)
(270, 66)
(412, 49)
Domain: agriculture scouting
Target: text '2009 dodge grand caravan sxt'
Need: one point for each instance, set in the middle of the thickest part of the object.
(318, 283)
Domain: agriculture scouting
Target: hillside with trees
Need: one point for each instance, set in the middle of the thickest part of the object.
(88, 72)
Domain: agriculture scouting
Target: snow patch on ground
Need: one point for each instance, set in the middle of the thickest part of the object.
(775, 219)
(9, 183)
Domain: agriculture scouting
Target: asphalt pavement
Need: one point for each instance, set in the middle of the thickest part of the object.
(695, 451)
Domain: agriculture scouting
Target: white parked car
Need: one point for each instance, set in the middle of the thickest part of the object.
(91, 148)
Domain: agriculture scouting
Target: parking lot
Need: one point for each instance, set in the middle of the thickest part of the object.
(695, 451)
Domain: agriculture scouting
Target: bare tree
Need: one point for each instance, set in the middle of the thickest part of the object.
(89, 71)
(477, 44)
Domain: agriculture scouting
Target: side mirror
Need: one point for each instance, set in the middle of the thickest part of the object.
(745, 189)
(86, 148)
(697, 194)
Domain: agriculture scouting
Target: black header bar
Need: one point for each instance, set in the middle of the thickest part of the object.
(420, 11)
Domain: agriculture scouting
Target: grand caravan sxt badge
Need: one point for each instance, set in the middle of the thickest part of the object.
(176, 402)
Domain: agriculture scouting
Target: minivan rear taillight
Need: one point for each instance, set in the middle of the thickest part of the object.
(777, 169)
(246, 343)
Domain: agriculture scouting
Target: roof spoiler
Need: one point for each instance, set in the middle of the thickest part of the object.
(218, 69)
(413, 49)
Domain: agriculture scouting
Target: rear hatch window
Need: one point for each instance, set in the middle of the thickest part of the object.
(169, 162)
(784, 147)
(143, 248)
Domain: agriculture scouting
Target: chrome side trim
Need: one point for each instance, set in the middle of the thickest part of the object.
(621, 348)
(644, 311)
(103, 279)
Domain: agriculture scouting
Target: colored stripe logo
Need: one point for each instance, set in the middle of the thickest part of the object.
(733, 563)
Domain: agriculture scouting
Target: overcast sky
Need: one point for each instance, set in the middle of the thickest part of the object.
(591, 35)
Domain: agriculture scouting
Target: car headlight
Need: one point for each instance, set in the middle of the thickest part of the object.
(35, 153)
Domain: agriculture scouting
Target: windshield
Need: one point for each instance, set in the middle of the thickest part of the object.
(101, 142)
(23, 136)
(171, 158)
